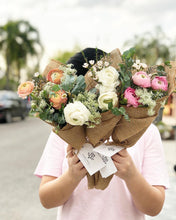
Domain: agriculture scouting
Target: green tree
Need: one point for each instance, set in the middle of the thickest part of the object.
(152, 48)
(19, 40)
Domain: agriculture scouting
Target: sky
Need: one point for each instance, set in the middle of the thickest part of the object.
(105, 24)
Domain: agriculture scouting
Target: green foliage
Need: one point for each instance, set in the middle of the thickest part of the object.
(68, 83)
(118, 111)
(125, 68)
(80, 85)
(56, 87)
(63, 56)
(19, 40)
(152, 48)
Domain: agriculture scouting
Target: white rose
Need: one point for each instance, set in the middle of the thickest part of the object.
(104, 89)
(108, 76)
(106, 98)
(76, 113)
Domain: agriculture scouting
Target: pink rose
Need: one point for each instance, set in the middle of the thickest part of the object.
(24, 89)
(132, 99)
(160, 82)
(141, 79)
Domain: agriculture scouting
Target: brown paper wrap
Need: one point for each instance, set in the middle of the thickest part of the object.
(100, 133)
(127, 133)
(103, 131)
(53, 64)
(96, 181)
(73, 135)
(171, 76)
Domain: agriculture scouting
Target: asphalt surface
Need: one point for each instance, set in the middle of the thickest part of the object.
(21, 145)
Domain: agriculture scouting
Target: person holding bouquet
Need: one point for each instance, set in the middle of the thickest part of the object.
(137, 188)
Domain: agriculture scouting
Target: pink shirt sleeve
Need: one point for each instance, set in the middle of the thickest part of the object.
(52, 158)
(154, 167)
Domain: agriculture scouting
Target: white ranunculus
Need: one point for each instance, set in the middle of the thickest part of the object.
(108, 76)
(104, 89)
(76, 113)
(106, 98)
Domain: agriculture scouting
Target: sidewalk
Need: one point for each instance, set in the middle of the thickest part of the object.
(169, 210)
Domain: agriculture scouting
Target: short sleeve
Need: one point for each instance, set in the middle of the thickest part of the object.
(154, 167)
(52, 158)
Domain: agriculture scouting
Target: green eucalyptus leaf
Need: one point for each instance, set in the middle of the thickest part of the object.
(56, 88)
(80, 85)
(68, 83)
(167, 63)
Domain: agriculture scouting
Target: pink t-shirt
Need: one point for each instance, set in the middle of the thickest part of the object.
(115, 202)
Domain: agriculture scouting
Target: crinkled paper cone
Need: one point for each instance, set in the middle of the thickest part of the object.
(96, 181)
(127, 133)
(73, 135)
(171, 76)
(97, 136)
(101, 132)
(53, 64)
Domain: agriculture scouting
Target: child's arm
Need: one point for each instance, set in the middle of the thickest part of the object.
(148, 199)
(54, 191)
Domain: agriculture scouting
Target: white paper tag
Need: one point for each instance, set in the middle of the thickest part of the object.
(109, 169)
(108, 150)
(90, 159)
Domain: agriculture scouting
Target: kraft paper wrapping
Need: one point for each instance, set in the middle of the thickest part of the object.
(103, 131)
(73, 135)
(96, 181)
(53, 64)
(127, 133)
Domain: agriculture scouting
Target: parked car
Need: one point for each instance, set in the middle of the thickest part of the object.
(11, 106)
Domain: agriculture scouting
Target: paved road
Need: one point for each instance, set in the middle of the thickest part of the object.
(21, 145)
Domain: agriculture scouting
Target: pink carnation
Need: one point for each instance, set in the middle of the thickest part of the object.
(160, 82)
(141, 79)
(132, 99)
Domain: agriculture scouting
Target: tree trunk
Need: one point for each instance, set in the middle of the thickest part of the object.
(7, 85)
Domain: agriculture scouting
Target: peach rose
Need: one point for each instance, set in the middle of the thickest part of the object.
(58, 99)
(24, 89)
(55, 76)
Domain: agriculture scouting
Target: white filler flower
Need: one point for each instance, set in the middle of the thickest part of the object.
(106, 98)
(76, 113)
(108, 77)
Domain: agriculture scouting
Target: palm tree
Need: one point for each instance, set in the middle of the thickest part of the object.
(19, 40)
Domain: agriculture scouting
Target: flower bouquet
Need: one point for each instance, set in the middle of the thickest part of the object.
(59, 98)
(131, 94)
(134, 94)
(119, 97)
